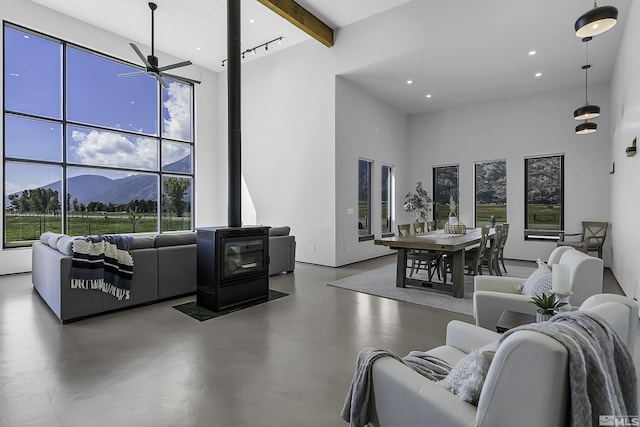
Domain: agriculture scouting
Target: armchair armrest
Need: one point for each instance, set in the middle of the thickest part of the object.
(488, 306)
(467, 337)
(497, 284)
(403, 397)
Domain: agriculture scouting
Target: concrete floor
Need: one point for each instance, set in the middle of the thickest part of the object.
(284, 363)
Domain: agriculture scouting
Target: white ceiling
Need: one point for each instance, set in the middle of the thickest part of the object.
(476, 50)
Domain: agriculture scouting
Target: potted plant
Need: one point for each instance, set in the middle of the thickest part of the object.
(419, 204)
(548, 305)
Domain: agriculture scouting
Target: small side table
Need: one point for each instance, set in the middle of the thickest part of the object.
(512, 319)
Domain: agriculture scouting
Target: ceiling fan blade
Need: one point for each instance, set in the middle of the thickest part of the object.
(161, 80)
(135, 73)
(180, 78)
(142, 57)
(172, 66)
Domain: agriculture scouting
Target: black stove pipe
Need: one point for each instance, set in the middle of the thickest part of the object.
(233, 119)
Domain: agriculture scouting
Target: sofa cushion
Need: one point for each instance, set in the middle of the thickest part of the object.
(44, 237)
(53, 240)
(65, 244)
(142, 242)
(467, 376)
(279, 231)
(538, 282)
(175, 239)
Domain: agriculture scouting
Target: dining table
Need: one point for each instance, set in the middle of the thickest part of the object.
(453, 245)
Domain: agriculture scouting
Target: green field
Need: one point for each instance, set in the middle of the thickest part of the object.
(24, 228)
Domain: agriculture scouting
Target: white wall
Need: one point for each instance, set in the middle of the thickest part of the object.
(625, 195)
(370, 129)
(45, 20)
(514, 129)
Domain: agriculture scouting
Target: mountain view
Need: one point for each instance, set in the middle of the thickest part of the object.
(89, 188)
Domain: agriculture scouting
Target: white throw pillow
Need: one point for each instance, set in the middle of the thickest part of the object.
(467, 376)
(539, 281)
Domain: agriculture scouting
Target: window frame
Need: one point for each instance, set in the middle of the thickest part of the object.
(475, 190)
(389, 184)
(64, 164)
(434, 187)
(543, 234)
(368, 235)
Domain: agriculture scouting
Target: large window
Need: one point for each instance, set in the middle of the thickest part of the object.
(490, 191)
(87, 151)
(544, 189)
(386, 200)
(445, 191)
(364, 199)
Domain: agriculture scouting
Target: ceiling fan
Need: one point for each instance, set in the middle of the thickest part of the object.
(151, 61)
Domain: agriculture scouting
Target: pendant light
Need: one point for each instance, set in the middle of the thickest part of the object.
(596, 21)
(586, 128)
(587, 111)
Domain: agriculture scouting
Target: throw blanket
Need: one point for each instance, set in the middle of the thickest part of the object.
(356, 404)
(602, 376)
(102, 262)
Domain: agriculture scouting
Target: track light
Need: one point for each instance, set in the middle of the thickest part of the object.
(596, 21)
(254, 50)
(586, 128)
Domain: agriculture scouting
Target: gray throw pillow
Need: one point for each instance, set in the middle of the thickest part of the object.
(53, 240)
(467, 376)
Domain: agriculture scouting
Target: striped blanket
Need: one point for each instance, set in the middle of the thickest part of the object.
(103, 262)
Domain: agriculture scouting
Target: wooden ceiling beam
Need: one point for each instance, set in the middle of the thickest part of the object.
(302, 18)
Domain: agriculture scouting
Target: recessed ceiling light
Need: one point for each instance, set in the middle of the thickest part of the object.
(409, 82)
(538, 74)
(532, 52)
(428, 95)
(197, 48)
(253, 21)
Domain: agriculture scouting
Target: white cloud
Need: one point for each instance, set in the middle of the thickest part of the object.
(178, 106)
(112, 149)
(173, 152)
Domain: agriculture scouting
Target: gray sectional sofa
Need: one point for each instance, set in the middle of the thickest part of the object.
(164, 266)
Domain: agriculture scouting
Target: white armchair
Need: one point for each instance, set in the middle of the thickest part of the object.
(495, 294)
(526, 385)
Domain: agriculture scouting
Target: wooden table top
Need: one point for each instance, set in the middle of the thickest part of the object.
(435, 240)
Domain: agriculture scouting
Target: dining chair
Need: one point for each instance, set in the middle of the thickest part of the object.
(418, 227)
(472, 257)
(592, 237)
(500, 254)
(420, 259)
(491, 253)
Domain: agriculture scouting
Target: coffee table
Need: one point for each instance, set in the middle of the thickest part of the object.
(512, 319)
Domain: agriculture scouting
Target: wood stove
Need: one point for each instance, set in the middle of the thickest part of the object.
(233, 266)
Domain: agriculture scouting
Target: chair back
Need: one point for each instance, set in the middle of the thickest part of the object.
(585, 275)
(595, 232)
(541, 362)
(404, 230)
(505, 234)
(482, 247)
(556, 253)
(431, 225)
(418, 227)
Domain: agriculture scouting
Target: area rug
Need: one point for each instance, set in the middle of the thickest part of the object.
(200, 313)
(382, 282)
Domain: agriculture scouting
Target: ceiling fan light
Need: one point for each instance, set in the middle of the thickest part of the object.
(586, 112)
(596, 21)
(586, 128)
